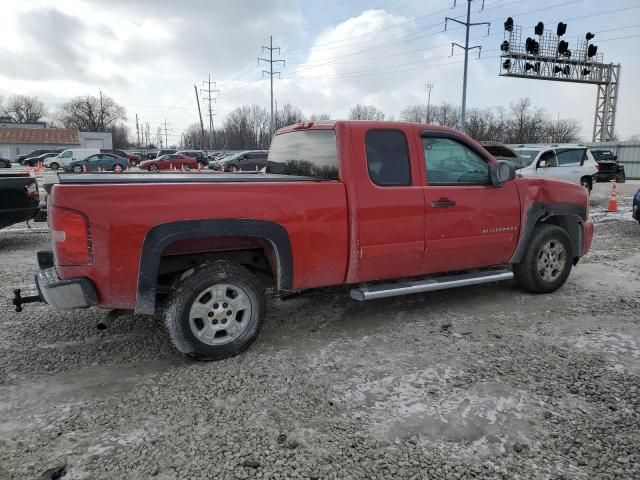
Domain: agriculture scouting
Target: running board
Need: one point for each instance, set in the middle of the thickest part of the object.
(428, 284)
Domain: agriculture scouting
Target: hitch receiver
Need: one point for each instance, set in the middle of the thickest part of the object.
(18, 300)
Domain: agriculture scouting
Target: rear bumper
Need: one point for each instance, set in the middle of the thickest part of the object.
(65, 294)
(587, 236)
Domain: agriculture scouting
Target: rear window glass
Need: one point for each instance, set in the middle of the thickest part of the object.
(310, 153)
(388, 157)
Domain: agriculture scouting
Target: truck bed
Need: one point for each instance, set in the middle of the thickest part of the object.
(92, 178)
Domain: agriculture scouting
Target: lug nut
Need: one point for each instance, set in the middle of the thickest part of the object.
(225, 305)
(215, 322)
(229, 312)
(224, 320)
(215, 305)
(210, 314)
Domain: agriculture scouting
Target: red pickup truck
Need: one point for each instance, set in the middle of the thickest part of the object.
(388, 207)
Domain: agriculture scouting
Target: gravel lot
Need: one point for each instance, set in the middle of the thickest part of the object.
(482, 382)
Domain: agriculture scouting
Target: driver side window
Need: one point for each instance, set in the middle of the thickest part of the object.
(450, 162)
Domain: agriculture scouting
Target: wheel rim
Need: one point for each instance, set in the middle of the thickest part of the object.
(220, 314)
(153, 168)
(77, 169)
(117, 169)
(551, 260)
(186, 167)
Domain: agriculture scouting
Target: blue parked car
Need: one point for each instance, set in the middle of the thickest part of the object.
(636, 205)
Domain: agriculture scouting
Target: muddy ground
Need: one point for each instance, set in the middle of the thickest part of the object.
(479, 382)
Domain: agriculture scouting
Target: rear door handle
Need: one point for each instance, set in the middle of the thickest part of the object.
(443, 203)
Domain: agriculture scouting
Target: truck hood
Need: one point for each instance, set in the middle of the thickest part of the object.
(552, 191)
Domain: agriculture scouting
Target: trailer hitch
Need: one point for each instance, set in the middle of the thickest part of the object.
(19, 300)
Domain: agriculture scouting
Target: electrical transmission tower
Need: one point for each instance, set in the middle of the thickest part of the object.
(428, 88)
(209, 91)
(166, 141)
(466, 49)
(138, 130)
(271, 73)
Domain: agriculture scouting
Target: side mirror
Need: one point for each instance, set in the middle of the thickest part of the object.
(502, 173)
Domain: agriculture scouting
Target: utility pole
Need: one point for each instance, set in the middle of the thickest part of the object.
(466, 49)
(210, 98)
(137, 130)
(201, 123)
(428, 87)
(271, 73)
(166, 141)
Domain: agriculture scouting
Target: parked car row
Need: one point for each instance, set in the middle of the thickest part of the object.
(249, 160)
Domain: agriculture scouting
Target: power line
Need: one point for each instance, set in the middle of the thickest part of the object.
(271, 73)
(466, 49)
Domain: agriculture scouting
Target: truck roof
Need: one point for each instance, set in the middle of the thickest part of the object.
(331, 124)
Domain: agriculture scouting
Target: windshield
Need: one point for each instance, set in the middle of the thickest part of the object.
(529, 154)
(309, 153)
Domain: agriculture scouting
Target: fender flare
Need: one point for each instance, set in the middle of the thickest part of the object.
(539, 212)
(161, 236)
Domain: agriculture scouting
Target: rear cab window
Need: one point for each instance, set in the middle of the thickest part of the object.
(388, 158)
(309, 153)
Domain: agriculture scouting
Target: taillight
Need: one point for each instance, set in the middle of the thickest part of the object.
(31, 189)
(597, 167)
(71, 237)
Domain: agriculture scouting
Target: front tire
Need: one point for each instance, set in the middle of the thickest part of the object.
(547, 263)
(153, 168)
(54, 166)
(186, 167)
(215, 312)
(586, 183)
(77, 169)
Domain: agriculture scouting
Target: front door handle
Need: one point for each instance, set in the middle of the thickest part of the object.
(443, 203)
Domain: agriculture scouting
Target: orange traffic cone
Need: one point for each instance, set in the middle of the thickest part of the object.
(613, 199)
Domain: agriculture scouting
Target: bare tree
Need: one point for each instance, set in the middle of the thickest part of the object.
(288, 115)
(446, 115)
(563, 131)
(91, 114)
(414, 113)
(25, 109)
(365, 112)
(120, 135)
(317, 117)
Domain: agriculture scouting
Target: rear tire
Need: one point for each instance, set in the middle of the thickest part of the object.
(54, 166)
(186, 167)
(117, 168)
(547, 263)
(153, 168)
(77, 169)
(215, 312)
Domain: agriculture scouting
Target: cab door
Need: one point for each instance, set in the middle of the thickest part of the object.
(470, 223)
(390, 207)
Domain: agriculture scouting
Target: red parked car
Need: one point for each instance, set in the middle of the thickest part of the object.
(172, 161)
(389, 207)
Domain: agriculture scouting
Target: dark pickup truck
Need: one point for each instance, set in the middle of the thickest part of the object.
(19, 198)
(608, 166)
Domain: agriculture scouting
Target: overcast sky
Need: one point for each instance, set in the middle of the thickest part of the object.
(147, 54)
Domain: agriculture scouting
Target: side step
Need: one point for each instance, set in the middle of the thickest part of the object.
(428, 284)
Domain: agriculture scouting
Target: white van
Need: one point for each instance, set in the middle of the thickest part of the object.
(572, 163)
(69, 155)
